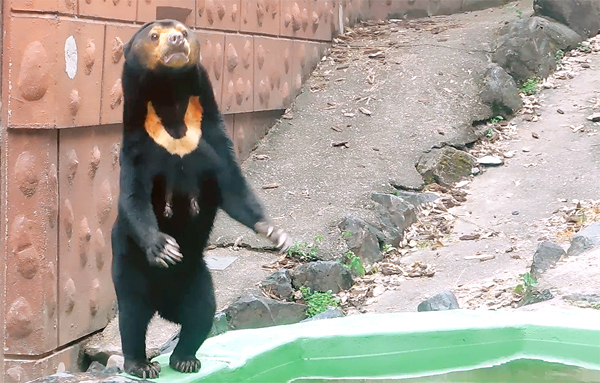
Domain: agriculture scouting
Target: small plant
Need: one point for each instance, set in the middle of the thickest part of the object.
(528, 284)
(496, 120)
(388, 248)
(584, 47)
(530, 86)
(347, 234)
(305, 252)
(318, 302)
(518, 11)
(354, 263)
(395, 192)
(558, 56)
(489, 133)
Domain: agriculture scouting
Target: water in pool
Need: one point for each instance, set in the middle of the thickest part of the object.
(516, 371)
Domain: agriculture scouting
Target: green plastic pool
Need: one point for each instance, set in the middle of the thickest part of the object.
(447, 346)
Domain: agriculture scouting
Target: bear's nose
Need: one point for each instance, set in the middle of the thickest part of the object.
(176, 39)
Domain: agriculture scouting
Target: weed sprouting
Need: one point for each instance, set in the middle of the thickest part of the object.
(318, 302)
(304, 251)
(530, 87)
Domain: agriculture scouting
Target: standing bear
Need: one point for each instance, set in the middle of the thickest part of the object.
(177, 168)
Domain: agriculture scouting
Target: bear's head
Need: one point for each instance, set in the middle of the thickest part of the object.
(163, 45)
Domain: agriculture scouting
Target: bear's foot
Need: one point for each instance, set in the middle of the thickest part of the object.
(142, 368)
(185, 364)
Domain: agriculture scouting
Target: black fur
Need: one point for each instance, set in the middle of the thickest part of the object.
(183, 291)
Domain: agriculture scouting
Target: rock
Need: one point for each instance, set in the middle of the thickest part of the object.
(586, 239)
(416, 199)
(332, 312)
(279, 284)
(362, 238)
(445, 166)
(536, 297)
(490, 161)
(546, 255)
(479, 5)
(500, 91)
(95, 367)
(582, 16)
(115, 362)
(250, 311)
(594, 117)
(526, 48)
(107, 343)
(583, 297)
(219, 327)
(322, 276)
(395, 216)
(446, 300)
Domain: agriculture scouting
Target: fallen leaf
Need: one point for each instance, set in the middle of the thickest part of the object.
(273, 185)
(482, 257)
(469, 237)
(340, 143)
(336, 128)
(365, 111)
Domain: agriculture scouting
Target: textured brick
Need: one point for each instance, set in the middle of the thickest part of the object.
(218, 14)
(30, 278)
(32, 54)
(80, 73)
(115, 9)
(112, 92)
(238, 87)
(272, 78)
(261, 16)
(88, 197)
(212, 54)
(182, 10)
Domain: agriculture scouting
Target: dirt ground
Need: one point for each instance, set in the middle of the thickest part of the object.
(419, 89)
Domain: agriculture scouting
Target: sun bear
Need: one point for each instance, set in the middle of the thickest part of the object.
(177, 168)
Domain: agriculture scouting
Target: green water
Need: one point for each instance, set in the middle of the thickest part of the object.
(516, 371)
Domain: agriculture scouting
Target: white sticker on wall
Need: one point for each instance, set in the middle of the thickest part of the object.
(71, 57)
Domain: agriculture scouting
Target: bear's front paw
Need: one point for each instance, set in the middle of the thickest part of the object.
(164, 252)
(277, 236)
(142, 368)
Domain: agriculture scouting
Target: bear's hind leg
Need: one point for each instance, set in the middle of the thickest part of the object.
(134, 317)
(196, 315)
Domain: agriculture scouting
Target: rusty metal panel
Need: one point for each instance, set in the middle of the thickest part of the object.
(249, 128)
(218, 14)
(115, 9)
(238, 75)
(19, 371)
(30, 271)
(88, 169)
(272, 73)
(212, 58)
(79, 73)
(112, 93)
(261, 16)
(306, 56)
(182, 10)
(32, 58)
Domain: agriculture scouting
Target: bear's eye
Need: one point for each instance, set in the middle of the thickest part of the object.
(154, 36)
(185, 34)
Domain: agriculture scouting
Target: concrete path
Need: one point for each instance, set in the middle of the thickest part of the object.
(420, 91)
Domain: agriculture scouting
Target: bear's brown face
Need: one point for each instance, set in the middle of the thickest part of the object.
(168, 44)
